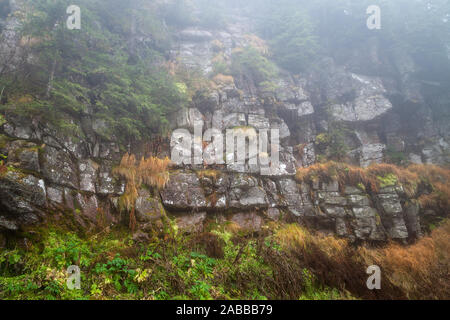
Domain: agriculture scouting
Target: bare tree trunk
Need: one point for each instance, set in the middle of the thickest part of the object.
(50, 80)
(1, 94)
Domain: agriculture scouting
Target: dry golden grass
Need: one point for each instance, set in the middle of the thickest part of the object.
(217, 45)
(410, 178)
(171, 67)
(331, 260)
(29, 41)
(223, 80)
(212, 174)
(418, 271)
(231, 227)
(3, 168)
(151, 171)
(193, 79)
(345, 174)
(292, 236)
(432, 172)
(438, 178)
(441, 237)
(259, 44)
(237, 50)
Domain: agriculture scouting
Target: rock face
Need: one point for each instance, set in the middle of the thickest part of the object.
(184, 191)
(392, 213)
(352, 97)
(148, 209)
(24, 155)
(59, 167)
(22, 198)
(246, 197)
(49, 171)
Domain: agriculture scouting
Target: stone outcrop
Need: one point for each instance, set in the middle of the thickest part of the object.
(22, 198)
(184, 191)
(51, 171)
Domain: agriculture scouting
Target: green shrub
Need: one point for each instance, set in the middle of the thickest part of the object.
(332, 144)
(118, 272)
(92, 71)
(388, 180)
(290, 33)
(394, 156)
(251, 63)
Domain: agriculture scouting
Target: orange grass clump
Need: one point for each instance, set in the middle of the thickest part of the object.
(152, 171)
(435, 177)
(345, 174)
(3, 168)
(438, 178)
(222, 79)
(418, 271)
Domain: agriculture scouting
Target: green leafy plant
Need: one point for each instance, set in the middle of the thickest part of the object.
(118, 272)
(251, 63)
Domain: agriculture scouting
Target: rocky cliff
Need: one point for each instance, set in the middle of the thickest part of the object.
(375, 108)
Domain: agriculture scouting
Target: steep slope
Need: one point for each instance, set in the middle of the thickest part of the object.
(226, 79)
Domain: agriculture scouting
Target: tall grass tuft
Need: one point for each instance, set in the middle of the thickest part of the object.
(151, 171)
(418, 271)
(427, 182)
(3, 168)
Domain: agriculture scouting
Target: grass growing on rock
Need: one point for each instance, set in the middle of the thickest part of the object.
(429, 183)
(150, 171)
